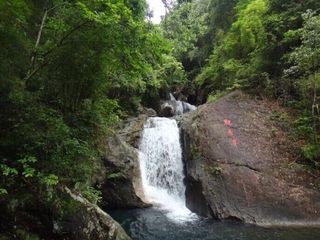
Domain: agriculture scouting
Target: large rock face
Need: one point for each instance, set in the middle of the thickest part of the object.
(240, 165)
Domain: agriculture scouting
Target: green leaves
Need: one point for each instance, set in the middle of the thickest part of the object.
(50, 180)
(106, 12)
(7, 171)
(90, 193)
(307, 56)
(312, 153)
(3, 191)
(27, 160)
(249, 25)
(184, 25)
(25, 168)
(235, 56)
(69, 71)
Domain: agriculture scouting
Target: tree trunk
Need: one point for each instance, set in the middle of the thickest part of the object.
(34, 53)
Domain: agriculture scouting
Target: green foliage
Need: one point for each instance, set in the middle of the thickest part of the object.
(312, 153)
(116, 175)
(24, 234)
(14, 45)
(3, 191)
(214, 96)
(305, 59)
(27, 169)
(184, 25)
(70, 70)
(7, 171)
(50, 180)
(90, 193)
(303, 127)
(243, 41)
(216, 170)
(232, 60)
(248, 29)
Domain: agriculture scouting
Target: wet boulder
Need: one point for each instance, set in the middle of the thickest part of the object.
(167, 110)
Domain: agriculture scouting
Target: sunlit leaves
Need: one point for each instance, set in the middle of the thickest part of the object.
(50, 180)
(106, 12)
(7, 171)
(27, 168)
(249, 25)
(3, 191)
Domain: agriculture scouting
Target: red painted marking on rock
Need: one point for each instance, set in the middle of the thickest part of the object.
(230, 133)
(227, 122)
(234, 142)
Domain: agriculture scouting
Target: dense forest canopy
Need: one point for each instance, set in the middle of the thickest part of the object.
(70, 70)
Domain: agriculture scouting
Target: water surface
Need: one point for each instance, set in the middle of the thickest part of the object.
(153, 224)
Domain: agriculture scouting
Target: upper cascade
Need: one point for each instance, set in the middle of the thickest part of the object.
(174, 107)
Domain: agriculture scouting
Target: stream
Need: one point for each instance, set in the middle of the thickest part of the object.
(153, 224)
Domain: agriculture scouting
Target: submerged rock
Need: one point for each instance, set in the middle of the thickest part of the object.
(237, 164)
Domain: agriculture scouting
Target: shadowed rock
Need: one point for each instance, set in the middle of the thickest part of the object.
(90, 222)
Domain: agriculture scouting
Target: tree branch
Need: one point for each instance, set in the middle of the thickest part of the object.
(33, 71)
(65, 37)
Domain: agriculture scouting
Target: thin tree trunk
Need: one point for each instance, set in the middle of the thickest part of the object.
(34, 53)
(33, 71)
(315, 105)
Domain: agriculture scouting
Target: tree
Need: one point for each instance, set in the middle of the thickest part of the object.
(306, 60)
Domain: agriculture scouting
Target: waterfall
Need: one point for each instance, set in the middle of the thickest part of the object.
(174, 107)
(172, 98)
(162, 167)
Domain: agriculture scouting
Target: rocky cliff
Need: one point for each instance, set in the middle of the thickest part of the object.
(241, 165)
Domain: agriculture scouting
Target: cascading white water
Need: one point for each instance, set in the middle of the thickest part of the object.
(179, 107)
(162, 167)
